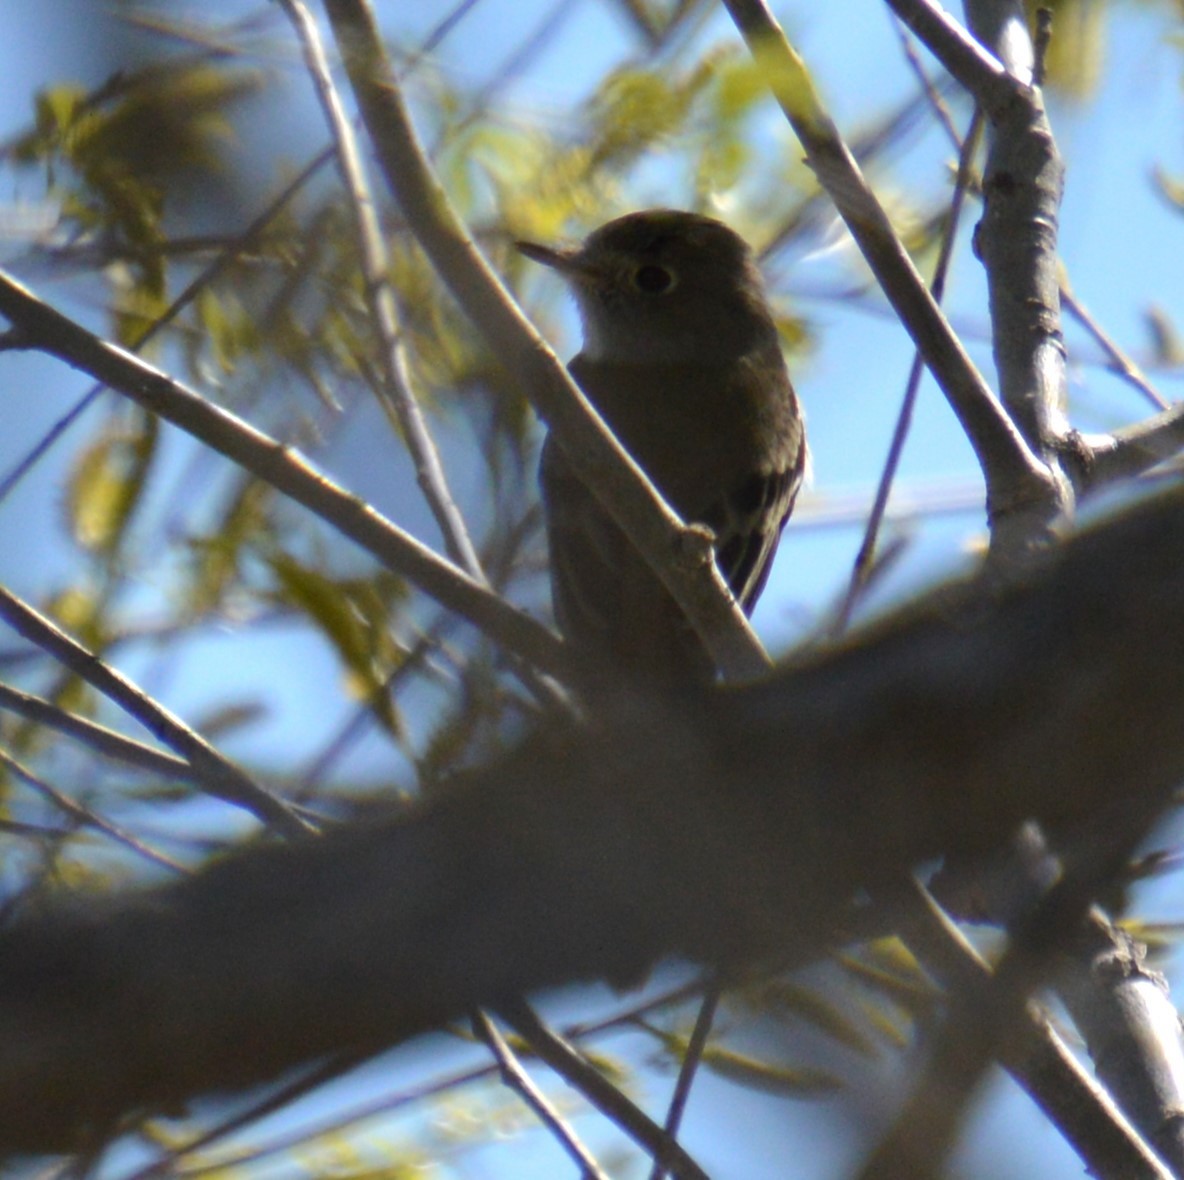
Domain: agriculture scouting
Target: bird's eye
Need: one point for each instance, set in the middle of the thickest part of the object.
(652, 279)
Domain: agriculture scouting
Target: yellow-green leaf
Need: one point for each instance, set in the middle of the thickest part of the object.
(107, 481)
(787, 997)
(784, 1080)
(355, 617)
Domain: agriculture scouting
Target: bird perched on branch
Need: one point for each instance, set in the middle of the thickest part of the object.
(681, 358)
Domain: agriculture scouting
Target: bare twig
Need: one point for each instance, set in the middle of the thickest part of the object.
(99, 738)
(1023, 495)
(864, 559)
(516, 1077)
(165, 1166)
(575, 1069)
(689, 1066)
(86, 817)
(1040, 44)
(282, 468)
(1120, 363)
(384, 1105)
(933, 96)
(397, 397)
(215, 774)
(681, 556)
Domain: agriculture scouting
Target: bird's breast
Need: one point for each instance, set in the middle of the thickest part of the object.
(693, 427)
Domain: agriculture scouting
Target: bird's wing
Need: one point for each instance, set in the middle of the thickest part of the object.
(747, 522)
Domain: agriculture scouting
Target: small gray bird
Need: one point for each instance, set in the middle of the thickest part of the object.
(682, 360)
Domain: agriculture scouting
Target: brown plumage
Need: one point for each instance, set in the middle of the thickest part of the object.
(682, 359)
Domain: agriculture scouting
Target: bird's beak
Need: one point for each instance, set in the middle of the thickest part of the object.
(569, 263)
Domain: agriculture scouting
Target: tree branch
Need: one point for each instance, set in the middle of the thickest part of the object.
(1132, 1031)
(283, 468)
(85, 817)
(679, 555)
(607, 1097)
(1031, 1051)
(1131, 450)
(97, 737)
(1017, 236)
(736, 827)
(216, 774)
(395, 387)
(515, 1076)
(1023, 494)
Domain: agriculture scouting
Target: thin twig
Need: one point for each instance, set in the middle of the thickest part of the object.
(97, 737)
(355, 725)
(575, 1069)
(530, 45)
(934, 98)
(432, 41)
(168, 1165)
(86, 817)
(12, 827)
(865, 558)
(691, 1060)
(1041, 42)
(395, 384)
(215, 774)
(1120, 363)
(516, 1077)
(681, 556)
(379, 1107)
(282, 468)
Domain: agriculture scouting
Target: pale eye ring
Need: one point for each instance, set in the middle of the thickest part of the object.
(652, 279)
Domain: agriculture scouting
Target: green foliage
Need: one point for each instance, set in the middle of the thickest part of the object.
(888, 968)
(1167, 346)
(110, 157)
(217, 559)
(724, 151)
(785, 998)
(355, 616)
(227, 333)
(1073, 62)
(782, 1080)
(636, 109)
(277, 326)
(108, 481)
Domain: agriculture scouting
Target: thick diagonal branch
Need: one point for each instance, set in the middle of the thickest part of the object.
(737, 827)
